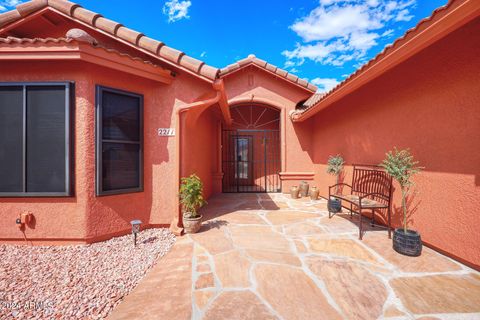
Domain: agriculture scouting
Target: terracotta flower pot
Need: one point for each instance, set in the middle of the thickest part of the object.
(294, 192)
(304, 188)
(191, 225)
(314, 193)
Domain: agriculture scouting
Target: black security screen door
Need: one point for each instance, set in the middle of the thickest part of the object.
(251, 160)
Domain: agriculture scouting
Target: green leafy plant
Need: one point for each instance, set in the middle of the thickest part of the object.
(191, 198)
(335, 167)
(402, 167)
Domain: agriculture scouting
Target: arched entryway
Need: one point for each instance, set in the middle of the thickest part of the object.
(251, 150)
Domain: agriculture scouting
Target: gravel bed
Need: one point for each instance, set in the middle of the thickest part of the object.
(78, 281)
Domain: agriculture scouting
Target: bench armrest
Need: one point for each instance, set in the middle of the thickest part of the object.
(339, 184)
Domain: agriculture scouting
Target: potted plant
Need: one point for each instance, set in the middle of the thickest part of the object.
(335, 167)
(402, 167)
(191, 199)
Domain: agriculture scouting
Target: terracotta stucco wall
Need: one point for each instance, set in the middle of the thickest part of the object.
(429, 104)
(85, 217)
(201, 148)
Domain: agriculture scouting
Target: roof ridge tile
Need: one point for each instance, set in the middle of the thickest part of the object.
(252, 59)
(64, 6)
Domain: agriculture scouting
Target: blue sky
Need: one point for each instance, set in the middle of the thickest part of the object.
(323, 41)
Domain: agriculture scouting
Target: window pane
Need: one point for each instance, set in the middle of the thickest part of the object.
(121, 166)
(46, 171)
(11, 139)
(120, 117)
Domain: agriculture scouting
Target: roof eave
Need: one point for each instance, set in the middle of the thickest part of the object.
(72, 51)
(39, 10)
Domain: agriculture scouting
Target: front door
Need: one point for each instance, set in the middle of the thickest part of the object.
(243, 148)
(251, 160)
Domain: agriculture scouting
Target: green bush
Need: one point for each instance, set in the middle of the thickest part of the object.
(402, 167)
(335, 166)
(191, 195)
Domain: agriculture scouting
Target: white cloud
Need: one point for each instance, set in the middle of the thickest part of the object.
(338, 31)
(325, 84)
(403, 15)
(176, 10)
(12, 3)
(387, 33)
(9, 4)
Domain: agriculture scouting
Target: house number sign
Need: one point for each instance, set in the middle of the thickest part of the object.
(166, 132)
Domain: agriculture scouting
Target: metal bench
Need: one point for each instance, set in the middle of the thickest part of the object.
(371, 188)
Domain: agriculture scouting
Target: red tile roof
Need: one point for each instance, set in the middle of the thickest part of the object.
(310, 102)
(252, 60)
(42, 41)
(409, 34)
(137, 39)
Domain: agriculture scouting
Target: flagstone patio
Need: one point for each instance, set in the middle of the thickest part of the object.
(266, 256)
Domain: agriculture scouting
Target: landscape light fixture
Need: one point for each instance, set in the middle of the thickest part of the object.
(135, 229)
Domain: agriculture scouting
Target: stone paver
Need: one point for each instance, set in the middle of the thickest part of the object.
(266, 256)
(232, 269)
(292, 293)
(202, 297)
(342, 248)
(288, 217)
(165, 290)
(238, 305)
(205, 281)
(438, 293)
(352, 286)
(274, 257)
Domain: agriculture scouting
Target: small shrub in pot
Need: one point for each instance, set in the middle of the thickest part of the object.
(402, 167)
(191, 199)
(335, 167)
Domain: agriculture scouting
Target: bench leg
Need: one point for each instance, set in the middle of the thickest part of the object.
(389, 223)
(351, 213)
(360, 235)
(328, 207)
(372, 223)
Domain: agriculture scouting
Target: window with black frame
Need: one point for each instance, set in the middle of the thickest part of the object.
(35, 139)
(119, 141)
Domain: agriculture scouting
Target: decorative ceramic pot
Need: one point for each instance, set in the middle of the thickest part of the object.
(334, 205)
(294, 192)
(409, 244)
(191, 225)
(314, 193)
(304, 188)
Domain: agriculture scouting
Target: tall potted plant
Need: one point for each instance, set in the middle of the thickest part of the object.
(335, 167)
(191, 199)
(402, 167)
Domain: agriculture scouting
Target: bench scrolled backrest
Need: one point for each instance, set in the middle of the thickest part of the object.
(372, 179)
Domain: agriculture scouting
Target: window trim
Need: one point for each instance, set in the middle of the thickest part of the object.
(69, 104)
(99, 89)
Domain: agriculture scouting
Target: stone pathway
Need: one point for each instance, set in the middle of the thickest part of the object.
(266, 256)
